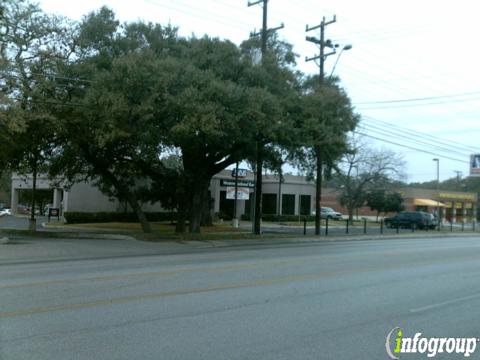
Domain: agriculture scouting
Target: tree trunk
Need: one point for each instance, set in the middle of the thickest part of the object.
(318, 191)
(350, 213)
(32, 224)
(196, 208)
(195, 215)
(180, 228)
(207, 219)
(132, 201)
(258, 191)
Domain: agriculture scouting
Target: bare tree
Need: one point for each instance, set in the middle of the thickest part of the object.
(364, 169)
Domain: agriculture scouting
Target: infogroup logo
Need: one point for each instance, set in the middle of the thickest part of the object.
(429, 346)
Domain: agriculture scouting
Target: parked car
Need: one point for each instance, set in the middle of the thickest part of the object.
(5, 211)
(409, 219)
(23, 210)
(329, 213)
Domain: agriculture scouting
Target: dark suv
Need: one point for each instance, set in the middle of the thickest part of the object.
(409, 219)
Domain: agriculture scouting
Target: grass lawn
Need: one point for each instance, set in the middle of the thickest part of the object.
(165, 231)
(161, 227)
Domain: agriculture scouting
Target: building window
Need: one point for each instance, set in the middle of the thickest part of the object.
(305, 204)
(248, 206)
(269, 203)
(288, 204)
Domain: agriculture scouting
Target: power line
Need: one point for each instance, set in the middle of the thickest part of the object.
(407, 90)
(420, 104)
(18, 76)
(389, 70)
(424, 135)
(412, 140)
(411, 147)
(194, 11)
(390, 132)
(371, 80)
(364, 31)
(427, 137)
(417, 139)
(418, 99)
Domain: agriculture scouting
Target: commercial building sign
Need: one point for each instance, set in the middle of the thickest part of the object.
(475, 164)
(457, 196)
(241, 173)
(241, 183)
(242, 193)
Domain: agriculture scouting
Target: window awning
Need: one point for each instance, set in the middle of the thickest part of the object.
(427, 202)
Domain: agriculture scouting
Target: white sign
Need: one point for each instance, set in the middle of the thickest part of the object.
(475, 164)
(241, 172)
(242, 193)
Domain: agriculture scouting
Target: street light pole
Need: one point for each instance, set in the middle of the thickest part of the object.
(459, 177)
(345, 48)
(438, 191)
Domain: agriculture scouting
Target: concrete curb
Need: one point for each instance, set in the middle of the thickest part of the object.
(325, 239)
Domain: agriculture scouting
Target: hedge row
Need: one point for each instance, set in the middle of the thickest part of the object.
(101, 217)
(283, 218)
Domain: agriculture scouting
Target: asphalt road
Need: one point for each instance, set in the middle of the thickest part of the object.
(330, 300)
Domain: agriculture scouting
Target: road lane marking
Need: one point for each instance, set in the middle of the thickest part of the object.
(445, 303)
(125, 299)
(239, 285)
(242, 266)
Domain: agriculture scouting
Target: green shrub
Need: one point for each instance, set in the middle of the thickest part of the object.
(104, 217)
(224, 216)
(245, 217)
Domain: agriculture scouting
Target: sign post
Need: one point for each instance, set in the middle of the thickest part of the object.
(235, 220)
(53, 212)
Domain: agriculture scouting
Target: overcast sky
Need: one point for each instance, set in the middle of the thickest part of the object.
(402, 51)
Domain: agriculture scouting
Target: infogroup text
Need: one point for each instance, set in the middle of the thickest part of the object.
(429, 346)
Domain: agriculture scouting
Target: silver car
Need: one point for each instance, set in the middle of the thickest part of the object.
(329, 213)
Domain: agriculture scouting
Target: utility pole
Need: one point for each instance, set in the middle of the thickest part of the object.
(439, 217)
(459, 177)
(264, 33)
(322, 44)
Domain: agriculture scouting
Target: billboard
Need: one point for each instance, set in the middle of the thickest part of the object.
(475, 164)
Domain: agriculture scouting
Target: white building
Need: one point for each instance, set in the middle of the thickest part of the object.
(296, 194)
